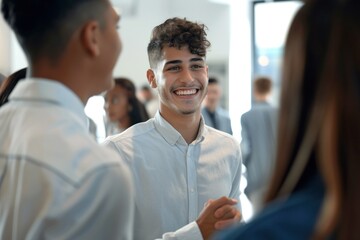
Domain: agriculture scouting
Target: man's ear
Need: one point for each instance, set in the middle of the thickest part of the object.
(90, 38)
(151, 78)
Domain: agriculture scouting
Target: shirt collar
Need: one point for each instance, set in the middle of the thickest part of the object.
(50, 91)
(262, 102)
(171, 135)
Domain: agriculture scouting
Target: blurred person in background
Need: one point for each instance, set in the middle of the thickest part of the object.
(314, 192)
(2, 78)
(145, 94)
(214, 115)
(122, 107)
(258, 142)
(147, 97)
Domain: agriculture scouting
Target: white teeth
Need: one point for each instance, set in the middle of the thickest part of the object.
(185, 92)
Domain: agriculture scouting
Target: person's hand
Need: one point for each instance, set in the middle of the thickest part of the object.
(227, 215)
(217, 214)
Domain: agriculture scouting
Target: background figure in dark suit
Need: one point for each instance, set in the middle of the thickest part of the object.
(214, 115)
(258, 141)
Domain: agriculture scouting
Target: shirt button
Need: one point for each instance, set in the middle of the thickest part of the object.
(192, 190)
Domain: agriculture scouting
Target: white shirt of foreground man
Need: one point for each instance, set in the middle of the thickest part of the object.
(56, 181)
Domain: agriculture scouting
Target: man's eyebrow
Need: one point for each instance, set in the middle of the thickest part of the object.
(173, 62)
(198, 59)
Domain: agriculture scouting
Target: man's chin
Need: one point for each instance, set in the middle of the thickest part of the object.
(188, 112)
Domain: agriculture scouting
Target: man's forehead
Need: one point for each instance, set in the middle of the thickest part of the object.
(175, 49)
(171, 54)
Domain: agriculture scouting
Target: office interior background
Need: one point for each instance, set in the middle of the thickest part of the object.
(247, 38)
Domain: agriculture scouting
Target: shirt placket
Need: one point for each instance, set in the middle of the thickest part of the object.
(192, 184)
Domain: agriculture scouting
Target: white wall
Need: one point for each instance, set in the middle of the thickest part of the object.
(4, 48)
(12, 57)
(240, 63)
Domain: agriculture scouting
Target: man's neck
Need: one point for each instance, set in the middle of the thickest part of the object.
(186, 124)
(71, 79)
(261, 97)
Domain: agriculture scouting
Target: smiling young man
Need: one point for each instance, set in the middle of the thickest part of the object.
(179, 164)
(181, 78)
(56, 182)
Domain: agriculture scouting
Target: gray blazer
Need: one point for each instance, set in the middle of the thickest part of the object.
(258, 144)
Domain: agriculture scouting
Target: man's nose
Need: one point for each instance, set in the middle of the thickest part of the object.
(187, 76)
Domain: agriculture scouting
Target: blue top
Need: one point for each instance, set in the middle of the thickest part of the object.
(294, 218)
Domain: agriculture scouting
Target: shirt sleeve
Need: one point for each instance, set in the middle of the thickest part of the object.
(190, 231)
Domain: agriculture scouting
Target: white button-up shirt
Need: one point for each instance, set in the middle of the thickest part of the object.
(56, 182)
(173, 180)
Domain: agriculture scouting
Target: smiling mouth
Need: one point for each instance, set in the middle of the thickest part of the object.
(187, 92)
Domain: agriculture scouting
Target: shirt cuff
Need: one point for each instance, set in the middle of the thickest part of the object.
(189, 232)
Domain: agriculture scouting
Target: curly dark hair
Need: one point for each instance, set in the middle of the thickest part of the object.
(177, 32)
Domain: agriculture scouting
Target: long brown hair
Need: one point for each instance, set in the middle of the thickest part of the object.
(319, 118)
(138, 111)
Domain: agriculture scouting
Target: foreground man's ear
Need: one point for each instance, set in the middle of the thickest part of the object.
(90, 38)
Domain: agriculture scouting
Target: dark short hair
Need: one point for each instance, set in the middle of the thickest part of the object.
(177, 33)
(262, 85)
(43, 27)
(213, 80)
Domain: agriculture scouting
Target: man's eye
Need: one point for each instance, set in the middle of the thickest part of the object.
(174, 68)
(196, 67)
